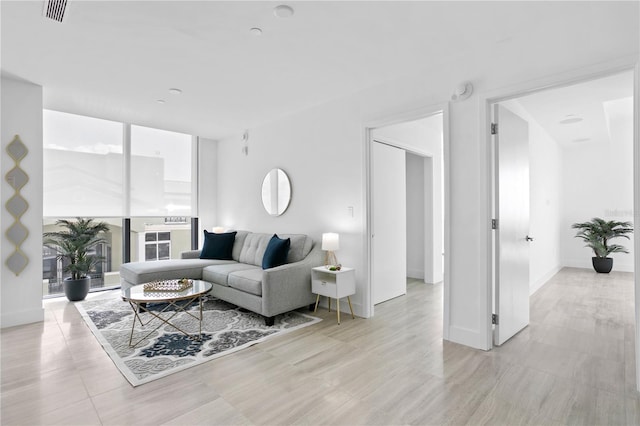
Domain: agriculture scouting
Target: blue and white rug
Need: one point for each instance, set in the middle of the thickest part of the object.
(225, 329)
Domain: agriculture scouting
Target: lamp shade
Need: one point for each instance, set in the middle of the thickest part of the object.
(330, 241)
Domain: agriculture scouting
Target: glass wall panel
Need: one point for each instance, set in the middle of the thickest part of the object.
(106, 273)
(160, 173)
(84, 160)
(159, 238)
(82, 166)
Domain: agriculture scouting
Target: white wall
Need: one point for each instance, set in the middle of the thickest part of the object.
(545, 200)
(322, 149)
(415, 216)
(21, 296)
(423, 136)
(598, 182)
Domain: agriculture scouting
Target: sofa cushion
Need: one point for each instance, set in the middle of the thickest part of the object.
(219, 273)
(238, 244)
(249, 281)
(255, 245)
(218, 246)
(253, 248)
(235, 253)
(171, 269)
(301, 246)
(276, 252)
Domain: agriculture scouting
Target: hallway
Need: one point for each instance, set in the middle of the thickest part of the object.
(575, 362)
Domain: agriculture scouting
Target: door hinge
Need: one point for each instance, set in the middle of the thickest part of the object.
(494, 223)
(494, 319)
(494, 128)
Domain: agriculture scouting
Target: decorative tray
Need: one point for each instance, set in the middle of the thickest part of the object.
(168, 285)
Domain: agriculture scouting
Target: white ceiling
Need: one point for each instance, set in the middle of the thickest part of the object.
(600, 103)
(114, 59)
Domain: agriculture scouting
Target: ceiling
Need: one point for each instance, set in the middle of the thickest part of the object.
(589, 109)
(116, 59)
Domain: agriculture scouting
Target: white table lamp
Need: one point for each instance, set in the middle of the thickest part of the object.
(330, 243)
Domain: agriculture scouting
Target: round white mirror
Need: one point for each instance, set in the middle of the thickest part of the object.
(276, 192)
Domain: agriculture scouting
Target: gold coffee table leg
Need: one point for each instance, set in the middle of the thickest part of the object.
(317, 300)
(338, 309)
(179, 308)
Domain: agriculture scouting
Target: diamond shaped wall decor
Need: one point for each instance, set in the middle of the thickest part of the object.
(17, 262)
(17, 178)
(17, 205)
(17, 233)
(17, 150)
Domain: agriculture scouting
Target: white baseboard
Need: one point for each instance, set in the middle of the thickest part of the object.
(418, 274)
(535, 286)
(12, 319)
(586, 264)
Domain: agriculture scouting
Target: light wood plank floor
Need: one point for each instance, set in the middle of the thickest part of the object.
(573, 365)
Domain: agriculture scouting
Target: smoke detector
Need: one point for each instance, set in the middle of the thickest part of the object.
(570, 119)
(54, 9)
(283, 11)
(462, 91)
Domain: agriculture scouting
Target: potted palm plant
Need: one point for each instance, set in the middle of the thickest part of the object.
(597, 234)
(73, 244)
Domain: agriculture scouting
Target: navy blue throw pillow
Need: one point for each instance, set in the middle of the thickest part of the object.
(218, 246)
(276, 252)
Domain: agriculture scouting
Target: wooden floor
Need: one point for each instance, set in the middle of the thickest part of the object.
(573, 365)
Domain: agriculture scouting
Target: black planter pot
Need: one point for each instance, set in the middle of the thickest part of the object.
(602, 265)
(76, 289)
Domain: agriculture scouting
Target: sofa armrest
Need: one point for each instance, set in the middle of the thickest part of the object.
(288, 286)
(190, 254)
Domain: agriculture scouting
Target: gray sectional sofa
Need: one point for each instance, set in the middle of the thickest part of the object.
(242, 281)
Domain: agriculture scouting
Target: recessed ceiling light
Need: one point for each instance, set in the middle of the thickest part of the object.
(580, 140)
(160, 101)
(283, 11)
(175, 91)
(256, 31)
(570, 119)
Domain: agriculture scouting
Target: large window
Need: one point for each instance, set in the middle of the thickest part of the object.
(105, 274)
(82, 166)
(160, 173)
(86, 175)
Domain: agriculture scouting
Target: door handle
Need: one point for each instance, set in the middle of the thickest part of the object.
(528, 238)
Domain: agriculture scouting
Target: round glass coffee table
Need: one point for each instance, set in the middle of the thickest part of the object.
(176, 301)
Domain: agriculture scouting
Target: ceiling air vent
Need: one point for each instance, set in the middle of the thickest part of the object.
(54, 9)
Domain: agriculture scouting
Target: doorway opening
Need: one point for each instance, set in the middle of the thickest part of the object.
(407, 186)
(580, 159)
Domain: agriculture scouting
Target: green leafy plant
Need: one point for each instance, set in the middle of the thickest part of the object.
(598, 232)
(74, 242)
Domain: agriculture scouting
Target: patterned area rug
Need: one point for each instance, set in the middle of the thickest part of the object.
(226, 328)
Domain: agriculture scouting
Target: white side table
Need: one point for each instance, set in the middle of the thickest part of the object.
(333, 284)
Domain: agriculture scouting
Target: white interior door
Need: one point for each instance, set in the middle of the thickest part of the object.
(512, 233)
(389, 222)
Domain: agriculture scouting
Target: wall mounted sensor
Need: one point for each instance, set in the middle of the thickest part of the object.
(462, 91)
